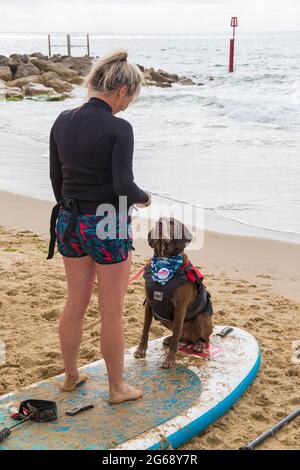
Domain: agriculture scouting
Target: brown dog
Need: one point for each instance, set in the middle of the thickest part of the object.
(169, 238)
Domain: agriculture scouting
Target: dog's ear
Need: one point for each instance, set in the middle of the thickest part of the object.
(157, 232)
(151, 239)
(181, 236)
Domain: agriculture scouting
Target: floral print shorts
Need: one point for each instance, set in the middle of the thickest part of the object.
(90, 236)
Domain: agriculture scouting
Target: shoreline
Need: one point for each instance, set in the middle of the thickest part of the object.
(258, 260)
(17, 148)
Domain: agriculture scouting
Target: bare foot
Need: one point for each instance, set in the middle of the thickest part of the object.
(126, 392)
(70, 383)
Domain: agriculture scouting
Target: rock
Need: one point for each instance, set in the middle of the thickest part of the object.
(57, 57)
(52, 97)
(39, 55)
(13, 68)
(149, 83)
(41, 64)
(49, 66)
(4, 60)
(82, 65)
(70, 70)
(158, 77)
(33, 89)
(13, 94)
(164, 79)
(64, 71)
(20, 82)
(54, 80)
(5, 73)
(186, 81)
(172, 76)
(147, 75)
(19, 58)
(56, 97)
(76, 81)
(25, 70)
(141, 67)
(46, 76)
(59, 85)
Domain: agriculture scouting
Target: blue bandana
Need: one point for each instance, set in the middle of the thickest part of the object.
(163, 269)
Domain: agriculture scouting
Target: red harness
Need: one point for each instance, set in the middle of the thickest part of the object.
(190, 274)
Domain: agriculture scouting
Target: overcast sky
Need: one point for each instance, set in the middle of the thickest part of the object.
(147, 16)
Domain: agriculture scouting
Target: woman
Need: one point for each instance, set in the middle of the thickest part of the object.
(91, 152)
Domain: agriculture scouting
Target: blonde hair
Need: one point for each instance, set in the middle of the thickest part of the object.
(111, 71)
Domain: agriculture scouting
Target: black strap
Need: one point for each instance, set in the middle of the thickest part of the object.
(198, 279)
(72, 204)
(40, 410)
(68, 203)
(54, 215)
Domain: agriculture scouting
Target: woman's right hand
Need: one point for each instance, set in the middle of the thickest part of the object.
(144, 204)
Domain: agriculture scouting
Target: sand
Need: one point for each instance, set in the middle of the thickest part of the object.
(254, 283)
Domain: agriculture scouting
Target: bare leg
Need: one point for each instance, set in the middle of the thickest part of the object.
(80, 273)
(112, 286)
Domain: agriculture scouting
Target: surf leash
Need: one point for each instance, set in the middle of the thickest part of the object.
(270, 432)
(139, 272)
(40, 411)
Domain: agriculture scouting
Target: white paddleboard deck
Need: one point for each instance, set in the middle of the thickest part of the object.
(177, 404)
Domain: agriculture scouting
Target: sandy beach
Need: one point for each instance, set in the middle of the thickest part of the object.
(254, 283)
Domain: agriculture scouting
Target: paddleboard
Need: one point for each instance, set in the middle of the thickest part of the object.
(177, 403)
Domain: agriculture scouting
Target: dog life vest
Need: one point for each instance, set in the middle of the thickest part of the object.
(160, 295)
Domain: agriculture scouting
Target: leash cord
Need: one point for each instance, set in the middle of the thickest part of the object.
(5, 432)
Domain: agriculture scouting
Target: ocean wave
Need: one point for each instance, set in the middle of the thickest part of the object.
(240, 207)
(256, 111)
(173, 98)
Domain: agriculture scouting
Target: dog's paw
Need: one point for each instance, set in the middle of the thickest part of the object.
(199, 347)
(167, 341)
(140, 353)
(168, 363)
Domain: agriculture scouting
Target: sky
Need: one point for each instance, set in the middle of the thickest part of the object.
(147, 16)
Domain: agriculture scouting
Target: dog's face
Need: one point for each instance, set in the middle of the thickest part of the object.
(169, 237)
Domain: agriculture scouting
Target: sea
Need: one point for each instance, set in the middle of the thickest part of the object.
(229, 144)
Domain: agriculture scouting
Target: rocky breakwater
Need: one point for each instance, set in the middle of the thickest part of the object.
(37, 77)
(40, 78)
(162, 78)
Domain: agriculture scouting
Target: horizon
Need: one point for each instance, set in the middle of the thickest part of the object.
(152, 33)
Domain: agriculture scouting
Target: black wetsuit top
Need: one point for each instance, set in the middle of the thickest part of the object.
(91, 157)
